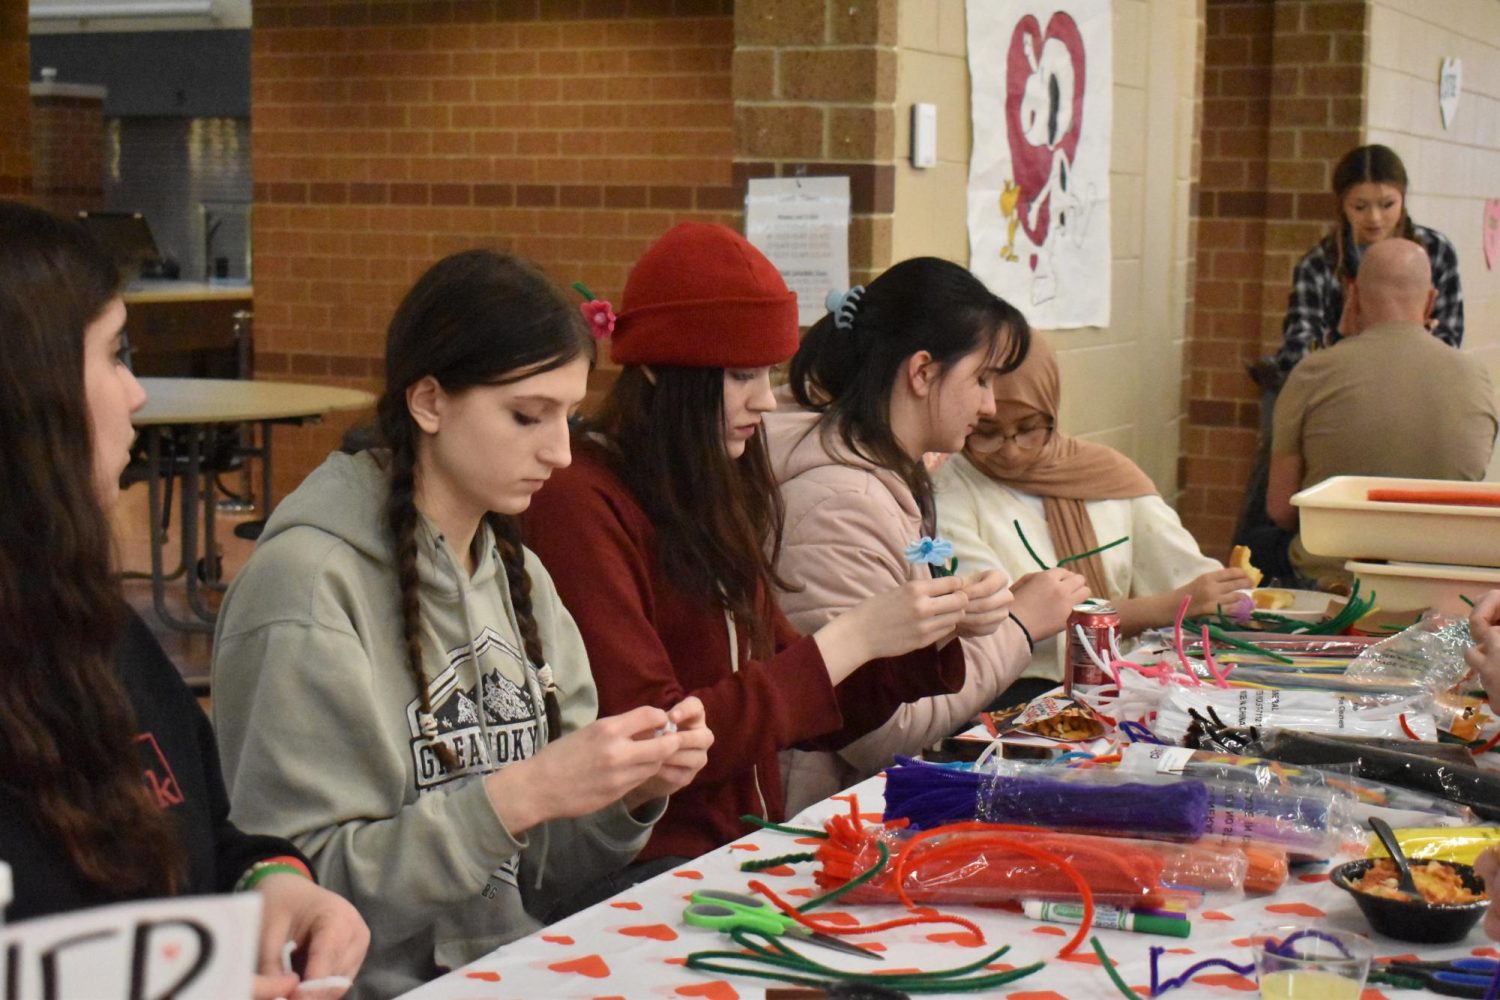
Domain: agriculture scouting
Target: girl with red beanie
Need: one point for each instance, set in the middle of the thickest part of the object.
(894, 372)
(662, 535)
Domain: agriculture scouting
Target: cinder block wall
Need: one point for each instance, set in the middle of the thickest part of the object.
(1283, 100)
(814, 94)
(15, 102)
(387, 135)
(932, 68)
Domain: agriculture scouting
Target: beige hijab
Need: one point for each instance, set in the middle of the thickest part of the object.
(1066, 472)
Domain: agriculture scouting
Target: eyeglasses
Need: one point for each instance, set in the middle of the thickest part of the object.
(1027, 439)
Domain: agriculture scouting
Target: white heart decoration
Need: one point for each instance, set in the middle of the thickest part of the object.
(1450, 82)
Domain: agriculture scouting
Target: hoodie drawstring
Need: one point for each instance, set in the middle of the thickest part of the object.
(538, 679)
(534, 679)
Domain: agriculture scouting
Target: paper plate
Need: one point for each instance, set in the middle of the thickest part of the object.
(1307, 605)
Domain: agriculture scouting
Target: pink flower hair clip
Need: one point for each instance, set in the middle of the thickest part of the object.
(598, 313)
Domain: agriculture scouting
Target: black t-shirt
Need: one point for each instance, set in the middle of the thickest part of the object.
(179, 763)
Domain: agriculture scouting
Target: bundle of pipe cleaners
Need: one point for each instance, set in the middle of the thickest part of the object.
(978, 863)
(926, 796)
(1309, 821)
(983, 862)
(1422, 770)
(1364, 796)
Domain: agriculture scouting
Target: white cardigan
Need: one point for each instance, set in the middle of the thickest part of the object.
(976, 514)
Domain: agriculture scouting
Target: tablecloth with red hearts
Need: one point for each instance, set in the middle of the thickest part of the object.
(633, 946)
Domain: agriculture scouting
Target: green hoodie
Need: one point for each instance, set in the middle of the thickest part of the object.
(316, 715)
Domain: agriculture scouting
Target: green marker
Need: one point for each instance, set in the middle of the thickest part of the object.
(1108, 917)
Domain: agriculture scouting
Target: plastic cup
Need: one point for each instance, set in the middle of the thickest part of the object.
(1301, 962)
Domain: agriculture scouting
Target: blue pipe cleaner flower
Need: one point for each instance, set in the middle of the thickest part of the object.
(935, 551)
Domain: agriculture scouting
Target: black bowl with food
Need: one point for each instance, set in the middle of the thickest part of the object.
(1432, 919)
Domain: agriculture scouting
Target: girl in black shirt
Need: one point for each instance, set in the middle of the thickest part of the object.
(110, 787)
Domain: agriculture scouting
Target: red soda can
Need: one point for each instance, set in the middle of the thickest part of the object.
(1098, 621)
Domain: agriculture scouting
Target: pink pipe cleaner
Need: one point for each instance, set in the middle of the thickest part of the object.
(1182, 659)
(1164, 672)
(1213, 667)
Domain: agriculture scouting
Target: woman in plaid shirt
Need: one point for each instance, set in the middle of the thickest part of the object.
(1370, 183)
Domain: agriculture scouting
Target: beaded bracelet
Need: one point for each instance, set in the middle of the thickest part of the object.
(285, 864)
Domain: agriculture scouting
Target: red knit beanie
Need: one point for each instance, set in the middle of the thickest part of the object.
(703, 297)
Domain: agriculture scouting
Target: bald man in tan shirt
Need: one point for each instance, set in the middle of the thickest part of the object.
(1387, 400)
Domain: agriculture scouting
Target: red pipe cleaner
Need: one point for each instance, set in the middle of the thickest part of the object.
(1410, 734)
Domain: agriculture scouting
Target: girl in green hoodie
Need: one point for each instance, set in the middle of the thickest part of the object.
(397, 687)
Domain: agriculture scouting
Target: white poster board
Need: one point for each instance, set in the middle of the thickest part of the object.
(801, 224)
(188, 948)
(1042, 75)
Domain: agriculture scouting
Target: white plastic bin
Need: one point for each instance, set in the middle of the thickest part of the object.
(1336, 520)
(1404, 586)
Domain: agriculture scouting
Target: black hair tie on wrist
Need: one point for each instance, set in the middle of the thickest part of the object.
(1030, 645)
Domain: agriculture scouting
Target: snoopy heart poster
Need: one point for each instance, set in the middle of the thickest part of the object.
(1039, 173)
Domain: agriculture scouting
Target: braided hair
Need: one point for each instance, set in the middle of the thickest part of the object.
(507, 532)
(475, 318)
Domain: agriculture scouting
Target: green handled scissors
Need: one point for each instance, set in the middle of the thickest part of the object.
(732, 911)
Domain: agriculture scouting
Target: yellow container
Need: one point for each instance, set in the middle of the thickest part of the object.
(1463, 844)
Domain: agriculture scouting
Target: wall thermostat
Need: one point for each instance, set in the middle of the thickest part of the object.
(924, 135)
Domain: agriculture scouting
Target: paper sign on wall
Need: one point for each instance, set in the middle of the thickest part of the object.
(187, 948)
(1450, 84)
(801, 224)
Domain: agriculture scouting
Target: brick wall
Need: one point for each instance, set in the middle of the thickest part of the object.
(1283, 85)
(814, 94)
(67, 150)
(15, 102)
(386, 135)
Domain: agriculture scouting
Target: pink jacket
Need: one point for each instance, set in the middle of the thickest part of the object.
(848, 523)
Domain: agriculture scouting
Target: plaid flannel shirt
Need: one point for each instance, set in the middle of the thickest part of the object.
(1317, 299)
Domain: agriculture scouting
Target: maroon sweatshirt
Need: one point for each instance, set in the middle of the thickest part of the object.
(649, 643)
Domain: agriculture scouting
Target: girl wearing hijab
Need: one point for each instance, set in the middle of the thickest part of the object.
(1070, 496)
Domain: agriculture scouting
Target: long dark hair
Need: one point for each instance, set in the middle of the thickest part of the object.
(921, 304)
(718, 519)
(67, 745)
(475, 318)
(1374, 164)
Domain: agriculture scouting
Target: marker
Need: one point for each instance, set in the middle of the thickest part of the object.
(1109, 917)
